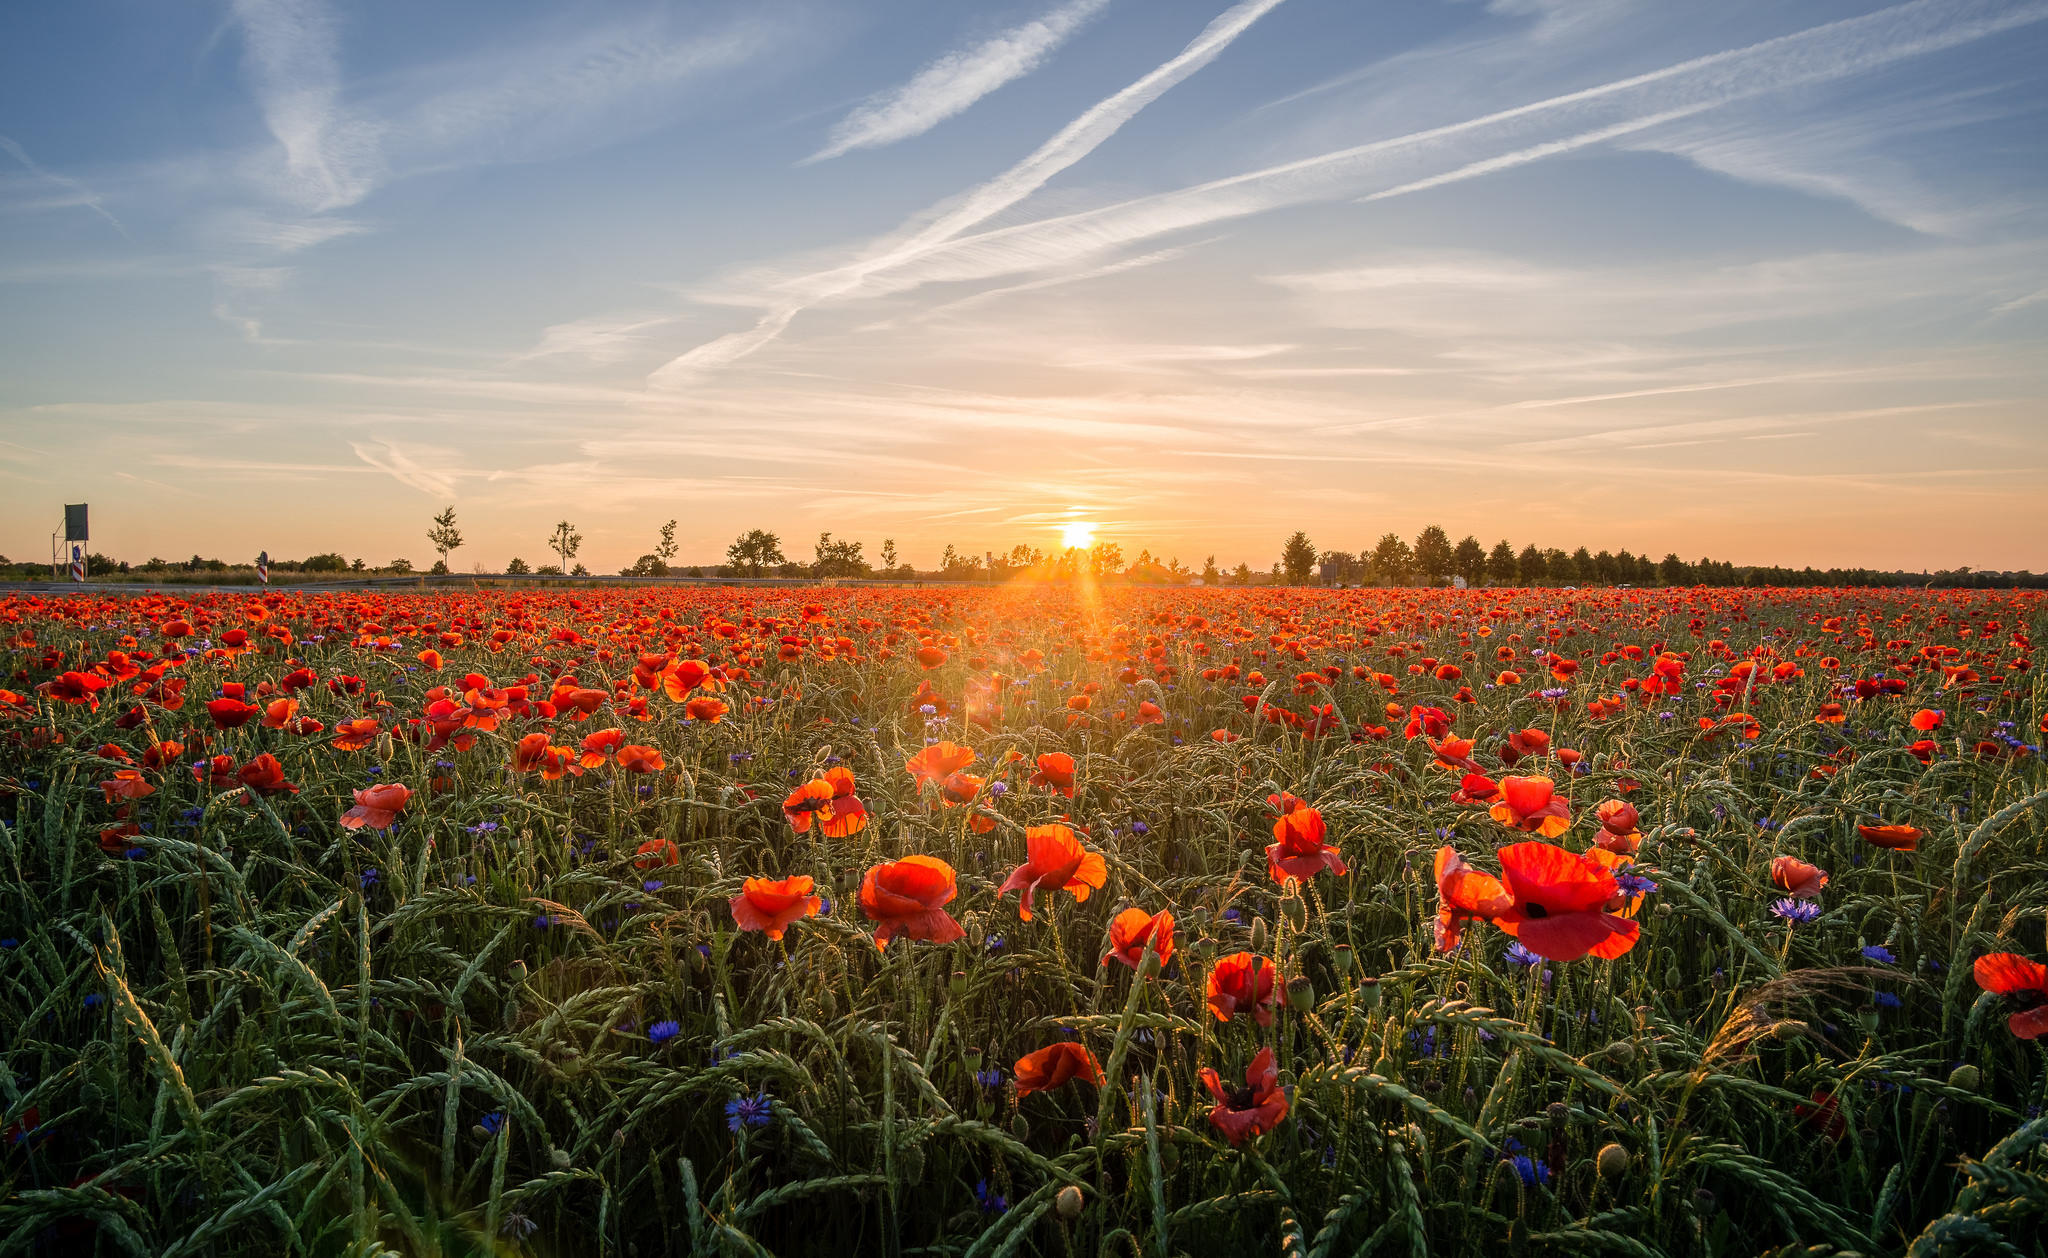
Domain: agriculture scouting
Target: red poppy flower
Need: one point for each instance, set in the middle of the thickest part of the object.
(230, 713)
(1054, 1065)
(1528, 742)
(216, 772)
(356, 734)
(1476, 788)
(908, 897)
(265, 776)
(1463, 895)
(1252, 1110)
(937, 762)
(1560, 904)
(116, 840)
(2010, 974)
(597, 747)
(1232, 987)
(1453, 753)
(930, 657)
(771, 906)
(1054, 861)
(163, 753)
(655, 853)
(1298, 850)
(1618, 821)
(78, 688)
(706, 709)
(377, 807)
(1531, 804)
(280, 713)
(1055, 772)
(126, 784)
(634, 758)
(1796, 878)
(528, 753)
(1149, 713)
(1895, 838)
(1823, 1114)
(1434, 722)
(1131, 930)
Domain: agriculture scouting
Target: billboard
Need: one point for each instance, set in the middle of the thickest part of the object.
(74, 523)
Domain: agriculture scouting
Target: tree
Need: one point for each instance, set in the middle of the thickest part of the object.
(1433, 554)
(1469, 560)
(1604, 568)
(444, 535)
(517, 567)
(1529, 564)
(1674, 570)
(753, 552)
(1500, 564)
(1298, 558)
(1341, 567)
(565, 541)
(1209, 574)
(1582, 561)
(329, 562)
(1242, 574)
(354, 565)
(888, 554)
(400, 566)
(838, 559)
(1105, 558)
(1392, 560)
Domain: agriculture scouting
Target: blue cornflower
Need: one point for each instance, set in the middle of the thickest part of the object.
(990, 1201)
(995, 943)
(651, 885)
(94, 1000)
(748, 1111)
(663, 1032)
(1518, 955)
(1795, 910)
(991, 1078)
(1885, 1000)
(1139, 827)
(1635, 884)
(999, 789)
(1532, 1172)
(928, 710)
(1880, 954)
(492, 1123)
(370, 879)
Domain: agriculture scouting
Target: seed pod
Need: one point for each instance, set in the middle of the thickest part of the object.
(1673, 980)
(1369, 992)
(1301, 993)
(1068, 1204)
(971, 1056)
(1558, 1113)
(957, 985)
(1788, 1030)
(1613, 1161)
(1964, 1078)
(1149, 967)
(516, 971)
(1344, 958)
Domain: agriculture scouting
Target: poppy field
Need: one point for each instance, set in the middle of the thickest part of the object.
(1023, 920)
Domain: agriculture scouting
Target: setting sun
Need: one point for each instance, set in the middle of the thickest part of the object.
(1079, 535)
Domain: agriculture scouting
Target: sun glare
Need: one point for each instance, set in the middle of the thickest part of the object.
(1078, 534)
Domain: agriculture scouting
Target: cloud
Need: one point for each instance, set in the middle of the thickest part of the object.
(404, 469)
(599, 339)
(75, 193)
(949, 85)
(330, 160)
(1075, 141)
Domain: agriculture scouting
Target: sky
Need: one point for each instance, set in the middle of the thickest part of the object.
(1765, 282)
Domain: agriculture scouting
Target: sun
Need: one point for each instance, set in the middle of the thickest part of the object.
(1080, 535)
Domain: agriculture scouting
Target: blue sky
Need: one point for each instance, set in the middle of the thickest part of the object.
(1760, 281)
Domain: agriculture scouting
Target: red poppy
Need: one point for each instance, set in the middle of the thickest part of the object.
(831, 801)
(1463, 895)
(1054, 861)
(1528, 742)
(1796, 878)
(163, 753)
(1830, 714)
(280, 713)
(1823, 1114)
(1618, 821)
(706, 709)
(634, 758)
(1054, 1065)
(771, 906)
(655, 853)
(1252, 1110)
(1454, 753)
(528, 753)
(215, 772)
(1131, 930)
(377, 807)
(117, 839)
(1149, 713)
(1055, 772)
(1476, 788)
(599, 746)
(1560, 904)
(1298, 850)
(126, 784)
(356, 734)
(2010, 974)
(1434, 722)
(265, 776)
(230, 713)
(908, 897)
(1232, 987)
(1895, 838)
(1531, 804)
(937, 762)
(78, 688)
(930, 657)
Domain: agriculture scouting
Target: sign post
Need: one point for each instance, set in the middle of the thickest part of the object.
(77, 564)
(263, 567)
(76, 533)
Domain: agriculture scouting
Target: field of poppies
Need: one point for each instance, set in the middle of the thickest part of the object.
(1026, 920)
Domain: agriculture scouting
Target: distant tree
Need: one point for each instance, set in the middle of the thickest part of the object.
(1558, 566)
(1469, 560)
(1433, 554)
(838, 559)
(1242, 574)
(1674, 570)
(667, 549)
(1297, 558)
(1582, 563)
(646, 566)
(1210, 576)
(753, 552)
(1105, 558)
(329, 562)
(444, 535)
(565, 541)
(1605, 568)
(1529, 565)
(1340, 567)
(354, 565)
(1392, 561)
(1501, 564)
(400, 566)
(548, 570)
(888, 554)
(518, 566)
(950, 559)
(579, 571)
(1625, 566)
(440, 568)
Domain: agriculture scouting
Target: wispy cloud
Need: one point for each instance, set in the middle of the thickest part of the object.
(951, 84)
(388, 457)
(75, 193)
(1075, 141)
(330, 160)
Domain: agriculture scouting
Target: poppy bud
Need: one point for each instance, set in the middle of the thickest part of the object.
(1258, 934)
(561, 1158)
(1703, 1201)
(1067, 1204)
(1558, 1113)
(910, 1163)
(1673, 979)
(1621, 1052)
(957, 985)
(1612, 1160)
(1788, 1030)
(1344, 958)
(1019, 1128)
(1294, 911)
(1149, 968)
(619, 1138)
(384, 747)
(1964, 1078)
(1301, 993)
(1369, 992)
